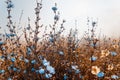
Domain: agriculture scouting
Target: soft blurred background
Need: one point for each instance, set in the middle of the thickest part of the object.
(106, 12)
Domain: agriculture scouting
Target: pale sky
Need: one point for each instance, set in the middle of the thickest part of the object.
(107, 12)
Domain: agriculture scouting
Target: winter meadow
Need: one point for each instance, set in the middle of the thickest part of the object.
(44, 53)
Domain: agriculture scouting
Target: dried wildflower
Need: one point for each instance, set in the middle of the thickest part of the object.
(25, 71)
(13, 59)
(114, 76)
(64, 21)
(92, 45)
(45, 62)
(33, 62)
(2, 71)
(51, 39)
(54, 8)
(61, 52)
(95, 70)
(74, 67)
(93, 58)
(11, 67)
(77, 71)
(20, 58)
(100, 74)
(50, 69)
(56, 17)
(36, 38)
(26, 60)
(104, 53)
(11, 30)
(81, 77)
(14, 69)
(18, 70)
(48, 76)
(1, 42)
(118, 65)
(37, 71)
(40, 57)
(2, 58)
(3, 48)
(115, 46)
(8, 56)
(33, 69)
(110, 67)
(113, 53)
(13, 54)
(65, 77)
(10, 35)
(28, 28)
(9, 78)
(41, 71)
(10, 5)
(93, 24)
(29, 51)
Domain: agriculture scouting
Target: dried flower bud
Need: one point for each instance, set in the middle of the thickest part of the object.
(56, 17)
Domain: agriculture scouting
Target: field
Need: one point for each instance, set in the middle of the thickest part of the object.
(55, 56)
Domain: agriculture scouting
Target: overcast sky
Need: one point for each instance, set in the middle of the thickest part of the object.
(107, 12)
